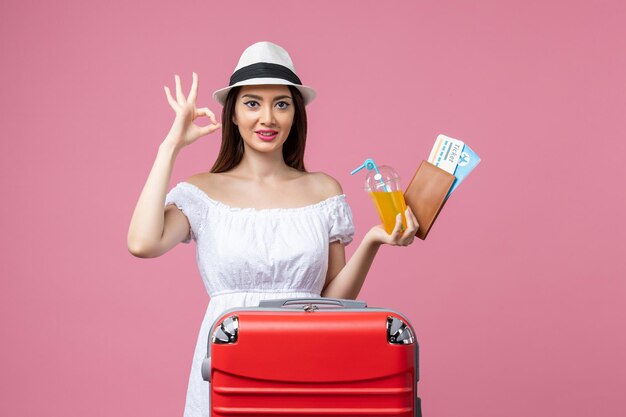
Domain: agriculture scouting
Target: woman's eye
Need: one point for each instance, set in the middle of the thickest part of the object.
(282, 105)
(251, 103)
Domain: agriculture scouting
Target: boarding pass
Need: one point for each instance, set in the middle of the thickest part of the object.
(453, 156)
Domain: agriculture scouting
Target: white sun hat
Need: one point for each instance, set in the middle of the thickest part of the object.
(265, 63)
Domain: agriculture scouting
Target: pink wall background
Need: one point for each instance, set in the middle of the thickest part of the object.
(518, 294)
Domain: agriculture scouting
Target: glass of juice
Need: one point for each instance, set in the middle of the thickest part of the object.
(383, 185)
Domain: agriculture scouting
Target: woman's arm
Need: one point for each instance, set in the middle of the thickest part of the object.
(344, 280)
(149, 234)
(154, 229)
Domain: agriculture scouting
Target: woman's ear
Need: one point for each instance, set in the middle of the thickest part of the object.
(234, 120)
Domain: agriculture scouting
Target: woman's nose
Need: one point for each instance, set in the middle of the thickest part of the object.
(267, 116)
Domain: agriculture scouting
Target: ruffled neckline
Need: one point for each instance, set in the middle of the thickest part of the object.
(202, 194)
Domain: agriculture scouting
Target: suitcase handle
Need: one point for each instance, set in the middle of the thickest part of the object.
(286, 302)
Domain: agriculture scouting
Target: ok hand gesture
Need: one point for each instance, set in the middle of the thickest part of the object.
(184, 131)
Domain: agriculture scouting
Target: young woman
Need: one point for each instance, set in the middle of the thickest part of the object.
(264, 227)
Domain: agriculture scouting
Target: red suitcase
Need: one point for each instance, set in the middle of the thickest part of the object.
(312, 357)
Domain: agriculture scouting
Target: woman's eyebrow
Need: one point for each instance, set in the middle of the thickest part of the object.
(261, 98)
(252, 96)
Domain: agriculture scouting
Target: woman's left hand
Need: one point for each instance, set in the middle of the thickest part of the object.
(377, 234)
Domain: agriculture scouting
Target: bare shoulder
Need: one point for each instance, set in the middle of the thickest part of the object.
(202, 180)
(221, 186)
(324, 185)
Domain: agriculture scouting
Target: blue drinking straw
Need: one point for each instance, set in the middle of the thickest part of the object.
(371, 165)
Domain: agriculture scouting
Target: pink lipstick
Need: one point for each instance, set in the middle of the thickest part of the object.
(266, 135)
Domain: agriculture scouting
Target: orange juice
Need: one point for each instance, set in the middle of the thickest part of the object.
(389, 204)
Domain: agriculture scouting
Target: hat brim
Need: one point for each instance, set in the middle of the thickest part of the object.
(308, 94)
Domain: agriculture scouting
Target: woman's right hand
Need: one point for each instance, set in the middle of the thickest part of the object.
(184, 132)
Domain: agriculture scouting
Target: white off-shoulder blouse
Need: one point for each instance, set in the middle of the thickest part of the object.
(246, 255)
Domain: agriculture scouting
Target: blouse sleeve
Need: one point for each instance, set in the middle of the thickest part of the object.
(341, 226)
(185, 199)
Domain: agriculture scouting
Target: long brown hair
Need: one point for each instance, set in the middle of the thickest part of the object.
(231, 151)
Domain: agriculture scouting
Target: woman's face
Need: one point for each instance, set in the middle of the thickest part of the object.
(264, 115)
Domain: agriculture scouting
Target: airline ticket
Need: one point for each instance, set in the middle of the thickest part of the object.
(455, 157)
